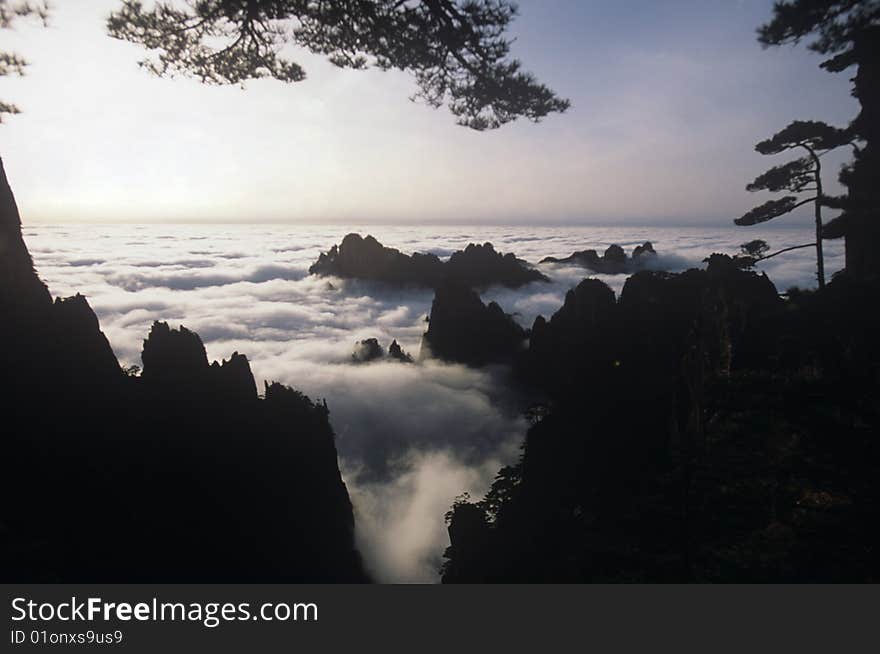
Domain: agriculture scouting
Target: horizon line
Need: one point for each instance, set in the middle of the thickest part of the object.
(402, 223)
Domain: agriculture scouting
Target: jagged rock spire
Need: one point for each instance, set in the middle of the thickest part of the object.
(19, 283)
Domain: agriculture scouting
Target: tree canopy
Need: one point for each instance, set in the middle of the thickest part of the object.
(794, 176)
(835, 25)
(11, 63)
(769, 210)
(756, 248)
(457, 50)
(848, 32)
(797, 176)
(811, 134)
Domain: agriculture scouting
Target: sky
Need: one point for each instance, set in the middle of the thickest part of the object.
(668, 100)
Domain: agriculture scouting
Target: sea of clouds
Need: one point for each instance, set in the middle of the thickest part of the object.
(410, 437)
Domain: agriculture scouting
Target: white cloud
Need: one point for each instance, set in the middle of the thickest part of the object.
(401, 521)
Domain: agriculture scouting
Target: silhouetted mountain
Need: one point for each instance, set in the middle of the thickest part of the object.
(370, 350)
(613, 262)
(175, 357)
(366, 351)
(592, 338)
(476, 265)
(576, 331)
(481, 265)
(19, 285)
(396, 352)
(233, 378)
(182, 474)
(699, 428)
(463, 329)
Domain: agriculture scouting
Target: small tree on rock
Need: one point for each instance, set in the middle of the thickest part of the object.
(751, 253)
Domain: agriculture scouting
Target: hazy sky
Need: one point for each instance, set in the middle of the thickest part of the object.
(668, 100)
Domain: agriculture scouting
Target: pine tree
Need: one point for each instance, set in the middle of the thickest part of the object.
(802, 175)
(11, 63)
(457, 50)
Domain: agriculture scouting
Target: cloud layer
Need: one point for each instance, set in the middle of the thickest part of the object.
(411, 436)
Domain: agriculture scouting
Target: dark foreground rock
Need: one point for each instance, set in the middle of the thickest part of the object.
(181, 474)
(475, 266)
(697, 429)
(464, 330)
(612, 262)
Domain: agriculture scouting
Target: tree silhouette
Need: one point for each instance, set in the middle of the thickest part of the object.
(457, 50)
(848, 32)
(11, 63)
(803, 175)
(757, 248)
(750, 253)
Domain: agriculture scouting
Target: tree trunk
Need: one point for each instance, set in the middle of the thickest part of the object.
(820, 258)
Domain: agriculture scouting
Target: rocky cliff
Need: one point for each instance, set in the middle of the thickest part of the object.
(475, 266)
(613, 261)
(698, 429)
(369, 350)
(464, 330)
(182, 474)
